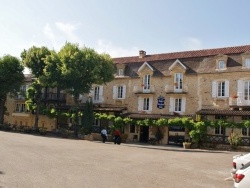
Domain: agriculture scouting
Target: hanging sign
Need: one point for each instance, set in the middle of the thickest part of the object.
(161, 101)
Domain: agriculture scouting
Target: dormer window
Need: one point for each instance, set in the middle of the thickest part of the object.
(221, 62)
(221, 65)
(120, 72)
(247, 62)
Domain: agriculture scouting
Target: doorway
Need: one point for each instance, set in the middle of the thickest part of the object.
(144, 133)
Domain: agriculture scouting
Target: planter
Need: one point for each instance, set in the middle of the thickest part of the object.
(186, 145)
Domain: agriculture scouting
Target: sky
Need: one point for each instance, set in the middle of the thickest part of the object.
(123, 27)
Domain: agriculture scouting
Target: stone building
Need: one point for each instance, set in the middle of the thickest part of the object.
(211, 84)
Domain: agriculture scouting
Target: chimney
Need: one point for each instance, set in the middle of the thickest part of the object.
(142, 54)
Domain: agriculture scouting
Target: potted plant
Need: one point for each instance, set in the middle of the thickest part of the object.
(124, 137)
(235, 96)
(186, 145)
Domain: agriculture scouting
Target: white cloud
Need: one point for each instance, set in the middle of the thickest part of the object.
(49, 33)
(68, 30)
(60, 32)
(191, 43)
(115, 51)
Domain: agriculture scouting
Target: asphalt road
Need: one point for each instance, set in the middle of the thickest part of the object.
(29, 161)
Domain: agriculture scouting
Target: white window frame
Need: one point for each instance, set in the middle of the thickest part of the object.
(97, 93)
(145, 104)
(219, 130)
(120, 72)
(177, 104)
(20, 107)
(119, 92)
(178, 81)
(221, 65)
(247, 62)
(246, 90)
(220, 89)
(245, 131)
(146, 82)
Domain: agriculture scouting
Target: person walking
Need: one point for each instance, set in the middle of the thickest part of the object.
(104, 135)
(117, 139)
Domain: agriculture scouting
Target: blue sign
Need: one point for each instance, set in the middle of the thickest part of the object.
(160, 103)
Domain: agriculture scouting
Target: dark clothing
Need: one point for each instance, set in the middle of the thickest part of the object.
(117, 138)
(104, 138)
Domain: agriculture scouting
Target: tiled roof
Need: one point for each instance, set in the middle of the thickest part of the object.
(185, 54)
(153, 116)
(223, 112)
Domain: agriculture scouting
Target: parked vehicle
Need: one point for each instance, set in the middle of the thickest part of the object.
(239, 161)
(242, 177)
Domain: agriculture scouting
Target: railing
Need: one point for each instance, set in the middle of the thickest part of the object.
(144, 89)
(174, 89)
(222, 139)
(54, 96)
(239, 101)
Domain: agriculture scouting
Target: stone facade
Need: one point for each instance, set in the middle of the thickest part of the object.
(202, 82)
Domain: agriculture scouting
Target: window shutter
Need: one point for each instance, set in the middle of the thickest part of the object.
(226, 88)
(239, 87)
(183, 104)
(214, 89)
(91, 93)
(150, 104)
(140, 104)
(171, 104)
(114, 92)
(101, 93)
(124, 92)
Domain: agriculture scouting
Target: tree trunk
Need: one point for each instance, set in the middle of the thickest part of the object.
(37, 115)
(2, 104)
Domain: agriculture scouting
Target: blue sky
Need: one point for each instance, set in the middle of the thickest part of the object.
(123, 27)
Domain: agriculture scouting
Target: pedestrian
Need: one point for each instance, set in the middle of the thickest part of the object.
(104, 135)
(117, 137)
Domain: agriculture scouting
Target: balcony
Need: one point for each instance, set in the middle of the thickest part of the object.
(169, 89)
(54, 96)
(144, 89)
(239, 101)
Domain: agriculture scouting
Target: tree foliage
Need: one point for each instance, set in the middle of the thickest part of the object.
(11, 78)
(34, 58)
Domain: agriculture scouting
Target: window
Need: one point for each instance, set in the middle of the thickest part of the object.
(132, 128)
(178, 80)
(146, 82)
(220, 88)
(96, 93)
(247, 62)
(219, 130)
(120, 72)
(20, 107)
(247, 90)
(120, 92)
(221, 64)
(177, 106)
(245, 131)
(146, 104)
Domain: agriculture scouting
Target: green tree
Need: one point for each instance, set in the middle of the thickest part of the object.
(34, 59)
(88, 117)
(77, 69)
(11, 78)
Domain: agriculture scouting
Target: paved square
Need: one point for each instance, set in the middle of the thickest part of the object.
(29, 161)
